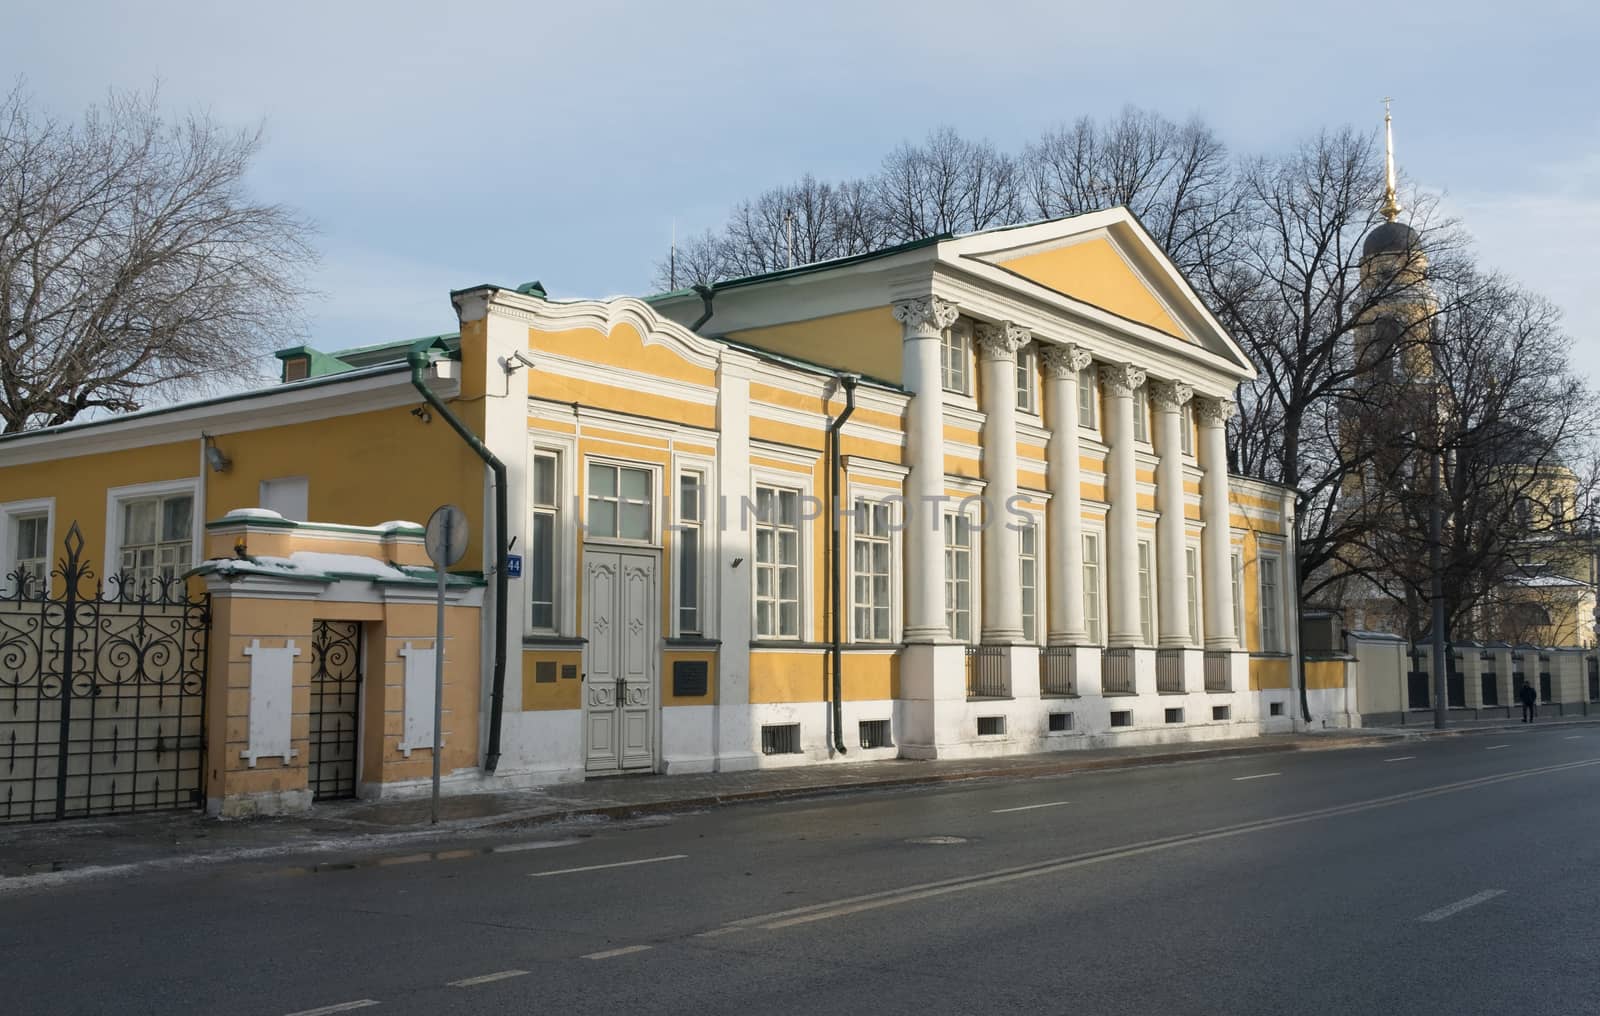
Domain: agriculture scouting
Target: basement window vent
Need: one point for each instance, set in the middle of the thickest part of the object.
(1222, 712)
(875, 734)
(991, 726)
(1275, 709)
(780, 739)
(1122, 717)
(1175, 715)
(1060, 722)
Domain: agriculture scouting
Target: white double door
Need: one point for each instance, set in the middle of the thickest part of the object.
(620, 603)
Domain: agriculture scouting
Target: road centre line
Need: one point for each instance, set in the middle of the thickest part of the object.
(1460, 905)
(624, 951)
(1400, 758)
(1573, 737)
(360, 1003)
(1257, 776)
(600, 867)
(906, 894)
(499, 975)
(1496, 747)
(1029, 807)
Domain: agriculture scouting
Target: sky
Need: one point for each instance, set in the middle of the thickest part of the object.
(437, 146)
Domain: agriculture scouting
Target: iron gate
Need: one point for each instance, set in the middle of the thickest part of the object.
(102, 697)
(335, 708)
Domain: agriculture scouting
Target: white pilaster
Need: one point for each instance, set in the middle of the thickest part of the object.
(1122, 552)
(1215, 557)
(1167, 398)
(924, 320)
(1064, 571)
(734, 744)
(998, 345)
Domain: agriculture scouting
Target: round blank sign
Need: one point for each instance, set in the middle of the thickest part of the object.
(446, 538)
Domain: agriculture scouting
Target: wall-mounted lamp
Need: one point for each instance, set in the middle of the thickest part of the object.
(421, 413)
(218, 462)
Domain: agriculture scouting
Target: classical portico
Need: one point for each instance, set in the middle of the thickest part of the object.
(1120, 381)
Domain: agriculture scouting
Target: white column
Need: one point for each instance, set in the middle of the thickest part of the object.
(735, 740)
(1064, 569)
(924, 321)
(1216, 558)
(1122, 551)
(1168, 397)
(1002, 579)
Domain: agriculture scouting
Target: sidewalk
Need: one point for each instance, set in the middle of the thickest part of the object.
(61, 851)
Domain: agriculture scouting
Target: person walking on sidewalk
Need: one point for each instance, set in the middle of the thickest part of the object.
(1528, 697)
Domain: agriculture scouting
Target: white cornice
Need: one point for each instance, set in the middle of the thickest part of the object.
(855, 465)
(605, 315)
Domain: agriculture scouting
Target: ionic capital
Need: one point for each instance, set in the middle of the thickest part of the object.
(1169, 395)
(925, 317)
(1001, 341)
(1121, 378)
(1215, 411)
(1064, 361)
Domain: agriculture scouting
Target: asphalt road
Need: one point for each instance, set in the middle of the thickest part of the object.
(1454, 876)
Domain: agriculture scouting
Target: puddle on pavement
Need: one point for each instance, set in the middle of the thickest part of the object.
(423, 857)
(937, 841)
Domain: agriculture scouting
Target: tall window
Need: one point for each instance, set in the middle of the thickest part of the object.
(619, 502)
(31, 548)
(777, 563)
(1558, 513)
(1091, 586)
(691, 513)
(1141, 415)
(1271, 621)
(1191, 563)
(1028, 543)
(958, 576)
(157, 537)
(1237, 563)
(1186, 427)
(542, 541)
(1086, 398)
(1146, 607)
(1026, 389)
(871, 558)
(953, 360)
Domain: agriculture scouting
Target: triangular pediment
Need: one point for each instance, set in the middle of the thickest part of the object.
(1093, 270)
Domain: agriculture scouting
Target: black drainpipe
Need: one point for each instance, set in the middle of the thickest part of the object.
(848, 383)
(497, 691)
(706, 296)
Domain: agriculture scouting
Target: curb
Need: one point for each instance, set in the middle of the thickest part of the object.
(1426, 733)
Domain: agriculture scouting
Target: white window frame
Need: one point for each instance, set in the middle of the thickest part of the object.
(955, 359)
(947, 583)
(1186, 429)
(1088, 400)
(10, 513)
(1033, 604)
(115, 496)
(706, 590)
(1145, 558)
(1094, 625)
(1270, 606)
(1236, 567)
(1191, 578)
(876, 496)
(653, 469)
(1141, 415)
(565, 451)
(801, 485)
(1028, 379)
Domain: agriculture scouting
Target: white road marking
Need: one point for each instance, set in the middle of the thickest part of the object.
(1029, 807)
(1460, 905)
(360, 1003)
(624, 951)
(1400, 758)
(1257, 776)
(1496, 747)
(719, 932)
(1573, 737)
(984, 880)
(500, 975)
(516, 848)
(598, 867)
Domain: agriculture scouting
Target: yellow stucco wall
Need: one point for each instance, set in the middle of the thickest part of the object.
(868, 341)
(1093, 271)
(563, 692)
(1269, 674)
(802, 676)
(1325, 674)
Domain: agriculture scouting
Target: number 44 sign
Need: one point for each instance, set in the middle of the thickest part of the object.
(513, 566)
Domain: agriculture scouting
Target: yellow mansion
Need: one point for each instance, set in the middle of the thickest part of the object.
(960, 497)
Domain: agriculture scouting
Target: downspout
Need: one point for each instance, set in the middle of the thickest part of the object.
(848, 383)
(418, 363)
(706, 296)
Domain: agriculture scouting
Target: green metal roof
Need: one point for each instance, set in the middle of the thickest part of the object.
(322, 364)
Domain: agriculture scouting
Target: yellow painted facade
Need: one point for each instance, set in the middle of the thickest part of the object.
(1093, 271)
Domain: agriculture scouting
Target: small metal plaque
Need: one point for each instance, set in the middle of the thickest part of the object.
(569, 671)
(689, 677)
(544, 672)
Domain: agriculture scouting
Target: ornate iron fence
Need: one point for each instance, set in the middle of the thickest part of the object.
(335, 705)
(102, 695)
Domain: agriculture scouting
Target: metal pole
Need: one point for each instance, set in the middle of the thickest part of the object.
(1441, 680)
(438, 674)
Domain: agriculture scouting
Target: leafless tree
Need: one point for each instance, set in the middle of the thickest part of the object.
(948, 184)
(133, 263)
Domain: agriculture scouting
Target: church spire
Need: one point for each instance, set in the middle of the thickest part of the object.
(1390, 208)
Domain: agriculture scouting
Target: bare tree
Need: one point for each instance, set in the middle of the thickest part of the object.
(133, 265)
(948, 184)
